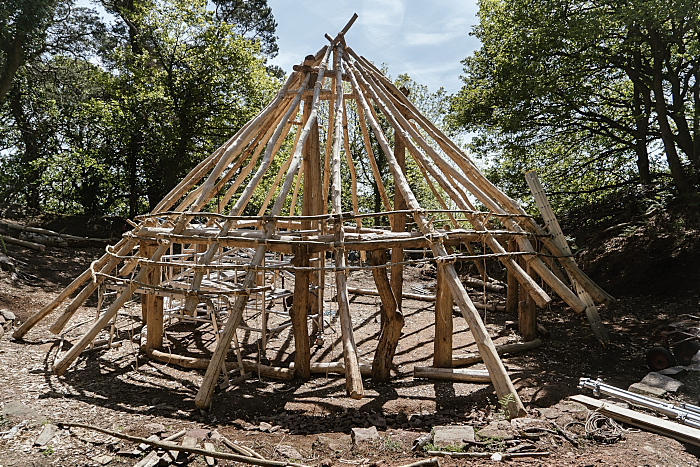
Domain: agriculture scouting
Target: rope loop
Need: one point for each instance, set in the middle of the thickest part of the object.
(449, 259)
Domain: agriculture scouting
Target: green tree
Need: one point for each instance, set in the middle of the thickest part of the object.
(38, 94)
(599, 86)
(23, 26)
(185, 82)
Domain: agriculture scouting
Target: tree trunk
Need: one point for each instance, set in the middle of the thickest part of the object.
(13, 59)
(674, 162)
(640, 137)
(684, 138)
(31, 175)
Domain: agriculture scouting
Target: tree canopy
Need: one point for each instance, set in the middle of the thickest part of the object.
(106, 116)
(597, 94)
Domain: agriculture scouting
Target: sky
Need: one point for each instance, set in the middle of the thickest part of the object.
(425, 39)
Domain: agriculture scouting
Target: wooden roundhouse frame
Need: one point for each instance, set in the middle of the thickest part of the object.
(190, 216)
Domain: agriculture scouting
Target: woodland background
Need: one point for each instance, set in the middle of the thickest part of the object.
(103, 114)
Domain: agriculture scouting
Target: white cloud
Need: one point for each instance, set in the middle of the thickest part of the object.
(426, 39)
(383, 18)
(422, 38)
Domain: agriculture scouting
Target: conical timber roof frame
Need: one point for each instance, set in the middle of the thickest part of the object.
(441, 161)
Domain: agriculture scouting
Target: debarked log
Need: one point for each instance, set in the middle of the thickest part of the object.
(474, 357)
(335, 367)
(199, 363)
(174, 447)
(452, 374)
(24, 243)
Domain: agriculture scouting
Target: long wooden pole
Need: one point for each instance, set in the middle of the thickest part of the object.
(312, 204)
(399, 224)
(554, 228)
(501, 381)
(282, 170)
(351, 165)
(329, 143)
(353, 377)
(174, 447)
(373, 161)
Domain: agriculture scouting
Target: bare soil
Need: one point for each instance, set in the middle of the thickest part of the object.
(652, 270)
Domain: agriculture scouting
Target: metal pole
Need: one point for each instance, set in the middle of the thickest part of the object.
(687, 414)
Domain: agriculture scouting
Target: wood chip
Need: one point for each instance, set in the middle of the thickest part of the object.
(209, 460)
(46, 434)
(149, 461)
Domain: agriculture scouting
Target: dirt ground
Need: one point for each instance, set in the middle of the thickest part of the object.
(121, 390)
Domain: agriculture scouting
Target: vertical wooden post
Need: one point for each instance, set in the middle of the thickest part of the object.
(152, 305)
(312, 201)
(299, 313)
(391, 321)
(512, 293)
(442, 353)
(527, 310)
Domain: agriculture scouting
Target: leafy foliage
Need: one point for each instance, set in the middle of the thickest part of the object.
(592, 95)
(107, 118)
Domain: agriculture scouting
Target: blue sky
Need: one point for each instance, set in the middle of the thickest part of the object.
(425, 39)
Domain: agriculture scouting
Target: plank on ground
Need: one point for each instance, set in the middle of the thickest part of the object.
(644, 421)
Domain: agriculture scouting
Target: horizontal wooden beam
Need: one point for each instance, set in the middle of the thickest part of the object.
(474, 357)
(452, 374)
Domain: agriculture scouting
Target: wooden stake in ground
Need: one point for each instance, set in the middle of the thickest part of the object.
(391, 321)
(299, 313)
(442, 354)
(152, 305)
